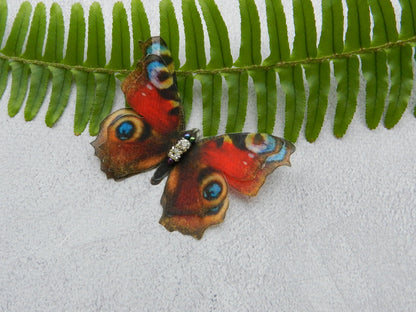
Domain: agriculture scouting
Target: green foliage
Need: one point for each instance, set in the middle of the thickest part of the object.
(377, 53)
(140, 25)
(169, 28)
(195, 53)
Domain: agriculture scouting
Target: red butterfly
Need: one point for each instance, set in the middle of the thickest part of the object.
(152, 133)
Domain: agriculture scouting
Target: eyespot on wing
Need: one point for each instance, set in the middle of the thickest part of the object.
(127, 145)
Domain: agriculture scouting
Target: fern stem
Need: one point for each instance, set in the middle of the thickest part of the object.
(386, 46)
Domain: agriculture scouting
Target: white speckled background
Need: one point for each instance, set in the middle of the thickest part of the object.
(336, 232)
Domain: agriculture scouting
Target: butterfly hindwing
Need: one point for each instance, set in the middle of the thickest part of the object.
(246, 159)
(196, 192)
(136, 139)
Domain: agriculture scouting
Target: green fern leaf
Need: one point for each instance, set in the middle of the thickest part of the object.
(220, 57)
(20, 77)
(401, 84)
(104, 97)
(194, 51)
(4, 73)
(37, 32)
(276, 25)
(399, 60)
(408, 22)
(374, 68)
(194, 37)
(140, 26)
(76, 37)
(250, 35)
(265, 86)
(264, 81)
(384, 22)
(20, 71)
(408, 19)
(279, 51)
(75, 56)
(39, 79)
(347, 74)
(55, 41)
(358, 30)
(85, 83)
(318, 75)
(169, 28)
(304, 47)
(218, 36)
(61, 88)
(61, 78)
(211, 102)
(185, 89)
(291, 79)
(120, 50)
(237, 100)
(347, 70)
(3, 18)
(14, 44)
(105, 84)
(332, 41)
(96, 37)
(249, 55)
(39, 75)
(4, 64)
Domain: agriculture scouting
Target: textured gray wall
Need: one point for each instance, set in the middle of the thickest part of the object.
(336, 232)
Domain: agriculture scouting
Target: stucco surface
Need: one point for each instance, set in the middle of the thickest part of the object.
(335, 232)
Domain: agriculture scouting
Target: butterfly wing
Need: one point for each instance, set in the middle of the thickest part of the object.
(151, 89)
(134, 140)
(196, 192)
(127, 144)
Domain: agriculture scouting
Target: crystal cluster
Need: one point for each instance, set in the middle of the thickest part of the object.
(178, 149)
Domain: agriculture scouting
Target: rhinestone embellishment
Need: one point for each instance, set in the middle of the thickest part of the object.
(178, 149)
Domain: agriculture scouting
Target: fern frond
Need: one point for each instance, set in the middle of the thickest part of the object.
(238, 82)
(169, 28)
(104, 84)
(220, 53)
(304, 47)
(140, 25)
(194, 51)
(382, 51)
(39, 75)
(318, 74)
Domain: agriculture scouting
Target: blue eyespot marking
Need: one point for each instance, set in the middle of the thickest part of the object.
(260, 143)
(159, 75)
(153, 69)
(279, 156)
(214, 210)
(156, 48)
(212, 191)
(125, 130)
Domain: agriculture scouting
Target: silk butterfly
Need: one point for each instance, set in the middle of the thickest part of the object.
(151, 133)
